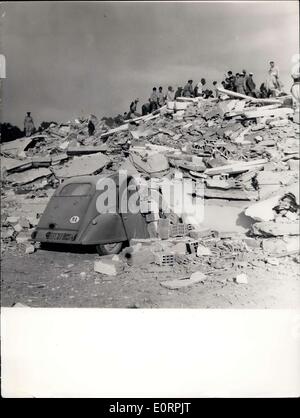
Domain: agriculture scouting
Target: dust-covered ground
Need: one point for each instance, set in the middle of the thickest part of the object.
(66, 278)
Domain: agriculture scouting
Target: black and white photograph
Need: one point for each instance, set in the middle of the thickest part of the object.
(150, 156)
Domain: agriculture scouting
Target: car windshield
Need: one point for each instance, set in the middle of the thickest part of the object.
(76, 189)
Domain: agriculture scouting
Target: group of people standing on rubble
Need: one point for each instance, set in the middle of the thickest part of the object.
(244, 83)
(159, 98)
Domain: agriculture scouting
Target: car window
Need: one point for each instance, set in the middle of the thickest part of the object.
(76, 189)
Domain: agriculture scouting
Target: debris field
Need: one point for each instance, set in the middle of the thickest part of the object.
(237, 151)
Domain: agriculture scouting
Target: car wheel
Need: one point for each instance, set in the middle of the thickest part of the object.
(107, 249)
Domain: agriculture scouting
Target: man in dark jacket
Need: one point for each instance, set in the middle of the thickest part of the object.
(178, 92)
(188, 90)
(250, 86)
(161, 97)
(154, 99)
(231, 83)
(146, 108)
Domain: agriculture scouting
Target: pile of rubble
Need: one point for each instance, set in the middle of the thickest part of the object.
(233, 148)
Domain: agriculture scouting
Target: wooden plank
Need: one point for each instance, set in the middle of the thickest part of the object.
(115, 130)
(187, 99)
(29, 175)
(86, 150)
(150, 116)
(238, 167)
(186, 165)
(243, 96)
(265, 113)
(252, 108)
(232, 194)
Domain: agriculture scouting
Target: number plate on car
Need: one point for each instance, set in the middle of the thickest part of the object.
(60, 236)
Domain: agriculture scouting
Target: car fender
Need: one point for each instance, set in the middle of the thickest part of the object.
(104, 229)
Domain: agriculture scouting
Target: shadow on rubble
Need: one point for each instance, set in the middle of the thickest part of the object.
(69, 248)
(244, 221)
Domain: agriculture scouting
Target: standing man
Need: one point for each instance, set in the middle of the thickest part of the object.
(274, 75)
(231, 83)
(91, 125)
(263, 91)
(170, 94)
(154, 100)
(228, 84)
(243, 75)
(188, 90)
(215, 84)
(178, 92)
(133, 107)
(28, 125)
(161, 97)
(239, 83)
(200, 87)
(250, 86)
(146, 108)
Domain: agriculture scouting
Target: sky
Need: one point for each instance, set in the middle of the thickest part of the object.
(67, 59)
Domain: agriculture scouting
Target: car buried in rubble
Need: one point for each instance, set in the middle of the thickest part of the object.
(75, 214)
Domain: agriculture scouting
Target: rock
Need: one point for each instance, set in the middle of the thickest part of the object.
(280, 246)
(263, 211)
(143, 241)
(293, 216)
(297, 259)
(18, 228)
(7, 233)
(241, 279)
(217, 264)
(138, 257)
(197, 234)
(275, 228)
(33, 221)
(252, 242)
(64, 275)
(163, 228)
(23, 237)
(20, 305)
(85, 165)
(202, 250)
(179, 248)
(116, 258)
(24, 223)
(273, 261)
(13, 219)
(30, 249)
(64, 145)
(294, 165)
(106, 266)
(196, 277)
(277, 178)
(29, 176)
